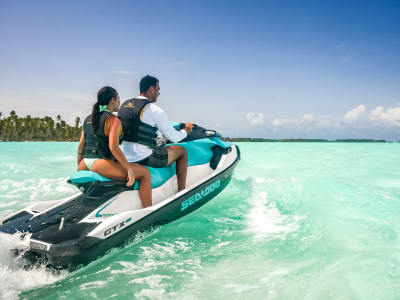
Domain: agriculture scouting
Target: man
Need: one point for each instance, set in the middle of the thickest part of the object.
(141, 119)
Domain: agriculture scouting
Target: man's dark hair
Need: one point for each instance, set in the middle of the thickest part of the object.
(146, 82)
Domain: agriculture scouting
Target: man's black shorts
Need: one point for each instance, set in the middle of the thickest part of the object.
(158, 159)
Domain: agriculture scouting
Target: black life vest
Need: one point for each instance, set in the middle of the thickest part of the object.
(134, 129)
(96, 143)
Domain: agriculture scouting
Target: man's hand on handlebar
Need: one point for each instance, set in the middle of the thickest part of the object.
(189, 127)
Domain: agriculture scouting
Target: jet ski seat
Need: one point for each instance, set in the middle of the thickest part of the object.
(199, 152)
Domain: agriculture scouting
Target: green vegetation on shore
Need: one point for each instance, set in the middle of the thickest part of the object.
(15, 128)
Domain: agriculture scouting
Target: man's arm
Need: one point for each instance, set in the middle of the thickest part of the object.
(168, 131)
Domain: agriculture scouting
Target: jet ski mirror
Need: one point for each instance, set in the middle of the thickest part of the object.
(210, 133)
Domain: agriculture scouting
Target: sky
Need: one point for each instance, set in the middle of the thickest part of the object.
(271, 69)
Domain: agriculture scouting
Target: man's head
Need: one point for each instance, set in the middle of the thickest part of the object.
(149, 87)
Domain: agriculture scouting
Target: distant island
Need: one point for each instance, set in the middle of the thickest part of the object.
(14, 128)
(304, 140)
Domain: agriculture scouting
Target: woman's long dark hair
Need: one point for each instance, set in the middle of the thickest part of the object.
(104, 96)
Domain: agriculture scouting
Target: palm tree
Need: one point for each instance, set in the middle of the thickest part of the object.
(49, 126)
(5, 131)
(28, 128)
(77, 122)
(76, 129)
(35, 128)
(14, 124)
(63, 124)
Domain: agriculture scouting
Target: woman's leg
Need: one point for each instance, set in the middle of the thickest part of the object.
(143, 175)
(82, 166)
(114, 170)
(109, 168)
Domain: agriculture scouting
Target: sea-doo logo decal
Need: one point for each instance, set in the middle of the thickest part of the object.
(117, 227)
(200, 195)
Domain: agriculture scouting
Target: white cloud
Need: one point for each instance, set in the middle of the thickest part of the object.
(354, 114)
(389, 117)
(308, 118)
(358, 122)
(278, 122)
(255, 119)
(305, 120)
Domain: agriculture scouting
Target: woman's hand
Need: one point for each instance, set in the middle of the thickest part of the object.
(131, 177)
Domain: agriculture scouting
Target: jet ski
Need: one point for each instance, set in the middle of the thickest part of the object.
(104, 213)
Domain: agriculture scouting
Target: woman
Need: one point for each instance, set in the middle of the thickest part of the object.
(99, 150)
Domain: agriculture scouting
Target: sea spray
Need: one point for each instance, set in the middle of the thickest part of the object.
(14, 277)
(264, 220)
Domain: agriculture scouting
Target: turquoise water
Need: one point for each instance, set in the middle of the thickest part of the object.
(298, 221)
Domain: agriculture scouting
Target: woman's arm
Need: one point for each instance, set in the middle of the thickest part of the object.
(113, 141)
(81, 147)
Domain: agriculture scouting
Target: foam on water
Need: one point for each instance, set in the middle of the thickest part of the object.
(13, 277)
(153, 286)
(7, 168)
(93, 284)
(264, 220)
(37, 188)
